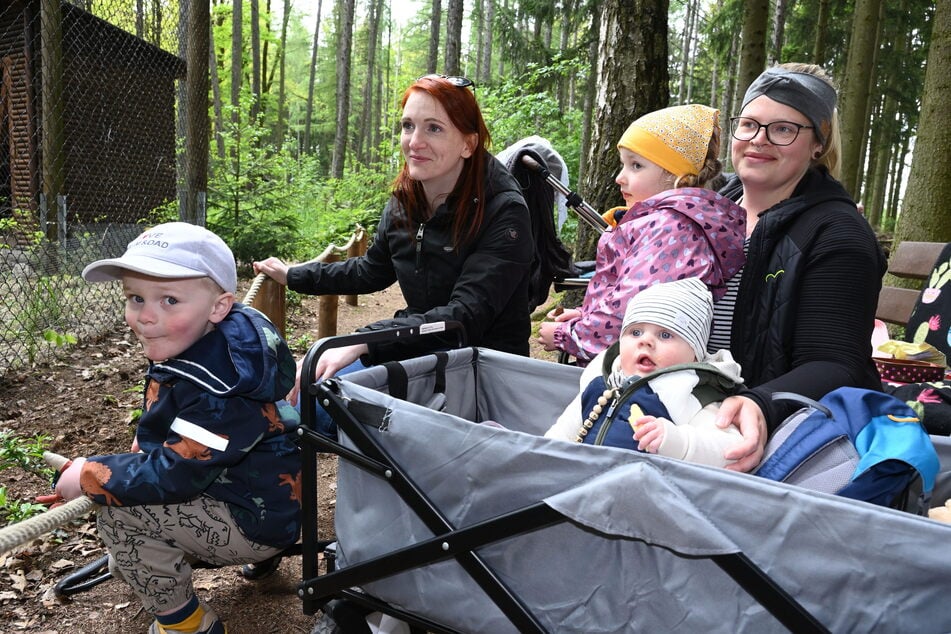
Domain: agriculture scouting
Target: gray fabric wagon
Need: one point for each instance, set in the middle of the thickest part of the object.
(462, 526)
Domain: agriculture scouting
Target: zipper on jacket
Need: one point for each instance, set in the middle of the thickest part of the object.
(419, 246)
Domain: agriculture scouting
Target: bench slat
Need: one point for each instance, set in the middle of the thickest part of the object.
(914, 259)
(895, 304)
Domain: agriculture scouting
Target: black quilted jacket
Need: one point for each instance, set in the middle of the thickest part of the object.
(806, 304)
(483, 284)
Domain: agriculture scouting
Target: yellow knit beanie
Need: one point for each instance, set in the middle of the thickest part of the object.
(675, 138)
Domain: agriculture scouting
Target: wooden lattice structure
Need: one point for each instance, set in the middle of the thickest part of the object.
(116, 118)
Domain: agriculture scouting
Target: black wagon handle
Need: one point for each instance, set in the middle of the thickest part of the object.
(323, 344)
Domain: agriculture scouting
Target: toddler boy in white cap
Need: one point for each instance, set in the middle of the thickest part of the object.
(658, 380)
(213, 473)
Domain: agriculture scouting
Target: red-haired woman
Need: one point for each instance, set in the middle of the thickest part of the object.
(455, 235)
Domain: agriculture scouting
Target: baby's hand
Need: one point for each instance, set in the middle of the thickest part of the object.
(649, 433)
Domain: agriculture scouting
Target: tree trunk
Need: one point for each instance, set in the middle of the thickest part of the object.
(822, 23)
(236, 57)
(779, 31)
(929, 188)
(753, 48)
(281, 81)
(308, 117)
(897, 179)
(435, 24)
(563, 44)
(685, 41)
(632, 80)
(875, 192)
(453, 37)
(344, 46)
(196, 139)
(855, 91)
(255, 60)
(486, 51)
(365, 135)
(590, 91)
(726, 105)
(216, 96)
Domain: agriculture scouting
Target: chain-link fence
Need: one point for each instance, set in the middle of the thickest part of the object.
(88, 137)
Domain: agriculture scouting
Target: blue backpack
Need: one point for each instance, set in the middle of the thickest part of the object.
(856, 443)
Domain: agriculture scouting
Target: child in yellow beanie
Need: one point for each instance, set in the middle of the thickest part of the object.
(671, 228)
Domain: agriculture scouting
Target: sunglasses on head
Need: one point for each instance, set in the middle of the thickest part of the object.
(459, 82)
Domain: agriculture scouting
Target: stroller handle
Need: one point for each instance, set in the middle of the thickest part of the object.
(585, 211)
(309, 365)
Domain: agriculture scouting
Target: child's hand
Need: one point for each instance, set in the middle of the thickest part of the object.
(51, 500)
(135, 445)
(67, 486)
(649, 434)
(546, 335)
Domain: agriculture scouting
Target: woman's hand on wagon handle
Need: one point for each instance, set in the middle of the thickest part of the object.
(274, 268)
(746, 415)
(330, 362)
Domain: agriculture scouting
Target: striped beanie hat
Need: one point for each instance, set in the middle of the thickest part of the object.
(684, 307)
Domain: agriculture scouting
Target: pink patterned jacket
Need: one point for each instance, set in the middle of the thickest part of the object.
(680, 233)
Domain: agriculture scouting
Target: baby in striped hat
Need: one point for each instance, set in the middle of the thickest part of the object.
(658, 380)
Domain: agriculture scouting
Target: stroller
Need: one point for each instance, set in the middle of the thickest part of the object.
(455, 514)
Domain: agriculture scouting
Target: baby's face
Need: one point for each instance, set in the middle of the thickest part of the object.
(648, 347)
(168, 315)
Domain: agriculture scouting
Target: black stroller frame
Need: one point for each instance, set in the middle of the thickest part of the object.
(355, 419)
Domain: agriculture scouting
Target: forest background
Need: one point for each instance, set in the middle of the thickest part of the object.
(304, 97)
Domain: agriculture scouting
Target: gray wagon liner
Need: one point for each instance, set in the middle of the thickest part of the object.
(527, 533)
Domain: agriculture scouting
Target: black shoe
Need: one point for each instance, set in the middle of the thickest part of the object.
(261, 569)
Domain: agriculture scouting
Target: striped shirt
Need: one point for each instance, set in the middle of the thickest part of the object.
(723, 311)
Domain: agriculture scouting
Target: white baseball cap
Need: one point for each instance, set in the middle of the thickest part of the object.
(172, 250)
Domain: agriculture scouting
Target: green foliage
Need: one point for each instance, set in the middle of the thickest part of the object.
(26, 454)
(252, 195)
(338, 205)
(36, 321)
(13, 226)
(519, 107)
(14, 510)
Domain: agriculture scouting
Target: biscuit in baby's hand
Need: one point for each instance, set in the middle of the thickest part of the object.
(636, 414)
(941, 513)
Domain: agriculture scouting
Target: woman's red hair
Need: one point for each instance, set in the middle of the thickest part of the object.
(464, 113)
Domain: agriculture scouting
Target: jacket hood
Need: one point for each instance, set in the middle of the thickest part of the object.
(722, 221)
(243, 356)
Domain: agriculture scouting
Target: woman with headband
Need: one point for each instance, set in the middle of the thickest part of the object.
(799, 316)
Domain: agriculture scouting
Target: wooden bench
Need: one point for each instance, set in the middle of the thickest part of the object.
(911, 260)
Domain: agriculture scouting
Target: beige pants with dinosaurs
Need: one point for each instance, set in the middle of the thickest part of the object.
(152, 547)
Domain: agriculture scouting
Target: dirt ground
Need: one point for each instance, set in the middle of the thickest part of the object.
(84, 401)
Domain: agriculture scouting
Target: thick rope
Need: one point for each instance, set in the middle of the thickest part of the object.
(253, 290)
(18, 534)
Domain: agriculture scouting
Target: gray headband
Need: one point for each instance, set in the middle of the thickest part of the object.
(808, 94)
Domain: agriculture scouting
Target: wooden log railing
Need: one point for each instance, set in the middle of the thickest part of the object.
(269, 296)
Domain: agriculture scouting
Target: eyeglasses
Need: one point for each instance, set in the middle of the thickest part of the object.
(459, 82)
(777, 132)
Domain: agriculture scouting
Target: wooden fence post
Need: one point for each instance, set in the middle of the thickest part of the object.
(327, 309)
(357, 248)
